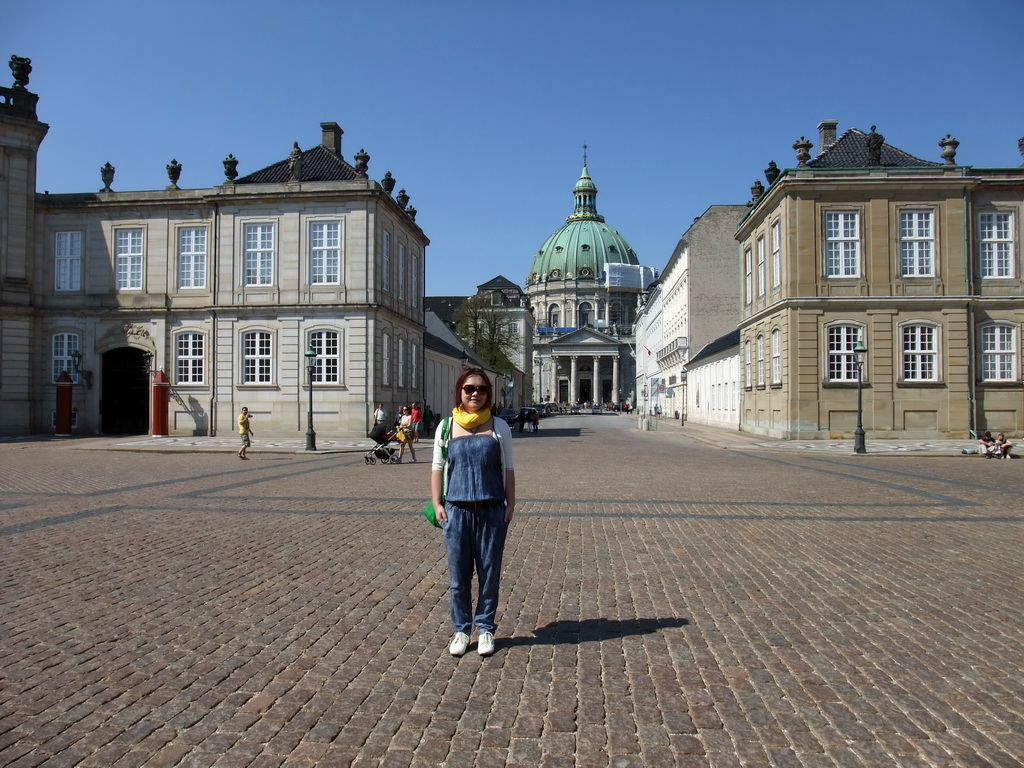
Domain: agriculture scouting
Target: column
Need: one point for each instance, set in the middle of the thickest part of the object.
(595, 394)
(572, 381)
(615, 379)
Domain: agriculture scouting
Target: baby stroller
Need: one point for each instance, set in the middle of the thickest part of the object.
(381, 451)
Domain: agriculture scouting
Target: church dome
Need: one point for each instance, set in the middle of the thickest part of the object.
(584, 245)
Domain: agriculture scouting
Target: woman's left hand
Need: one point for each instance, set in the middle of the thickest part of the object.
(510, 510)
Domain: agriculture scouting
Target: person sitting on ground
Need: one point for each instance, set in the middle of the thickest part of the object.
(988, 445)
(1003, 446)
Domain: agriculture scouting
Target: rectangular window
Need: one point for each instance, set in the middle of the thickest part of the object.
(748, 276)
(842, 244)
(326, 369)
(998, 353)
(760, 361)
(414, 280)
(747, 380)
(842, 360)
(995, 231)
(190, 358)
(414, 359)
(401, 272)
(68, 261)
(401, 362)
(917, 244)
(760, 267)
(192, 257)
(385, 360)
(919, 353)
(325, 253)
(385, 278)
(129, 259)
(258, 259)
(776, 356)
(64, 347)
(776, 254)
(256, 358)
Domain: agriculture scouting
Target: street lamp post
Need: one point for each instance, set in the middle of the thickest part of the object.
(859, 350)
(310, 368)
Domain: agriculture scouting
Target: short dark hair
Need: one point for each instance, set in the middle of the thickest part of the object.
(466, 373)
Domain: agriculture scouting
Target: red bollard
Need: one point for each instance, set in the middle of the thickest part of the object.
(161, 403)
(64, 385)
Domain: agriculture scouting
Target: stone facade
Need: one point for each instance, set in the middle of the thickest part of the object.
(918, 260)
(223, 289)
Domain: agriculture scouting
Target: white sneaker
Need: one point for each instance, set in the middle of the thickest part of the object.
(459, 644)
(485, 644)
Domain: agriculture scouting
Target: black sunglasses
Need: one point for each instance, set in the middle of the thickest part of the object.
(469, 389)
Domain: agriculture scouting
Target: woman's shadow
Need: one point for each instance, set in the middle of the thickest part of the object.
(572, 631)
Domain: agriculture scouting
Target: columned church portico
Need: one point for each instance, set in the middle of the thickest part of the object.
(584, 366)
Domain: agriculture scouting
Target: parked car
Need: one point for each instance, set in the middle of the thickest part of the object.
(509, 415)
(539, 408)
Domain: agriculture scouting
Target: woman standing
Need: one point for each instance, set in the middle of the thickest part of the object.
(405, 434)
(477, 482)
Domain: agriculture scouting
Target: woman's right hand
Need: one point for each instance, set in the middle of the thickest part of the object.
(442, 516)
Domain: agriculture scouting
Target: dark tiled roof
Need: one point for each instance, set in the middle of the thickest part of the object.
(318, 164)
(731, 339)
(497, 282)
(851, 151)
(430, 341)
(444, 307)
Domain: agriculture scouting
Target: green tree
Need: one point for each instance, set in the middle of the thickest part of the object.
(488, 329)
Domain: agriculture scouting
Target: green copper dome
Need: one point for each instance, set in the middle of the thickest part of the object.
(582, 247)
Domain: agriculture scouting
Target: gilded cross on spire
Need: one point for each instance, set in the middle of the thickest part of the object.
(584, 154)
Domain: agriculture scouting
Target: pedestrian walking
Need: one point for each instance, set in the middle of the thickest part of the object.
(473, 486)
(245, 432)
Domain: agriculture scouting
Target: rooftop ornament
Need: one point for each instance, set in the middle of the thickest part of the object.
(107, 175)
(362, 164)
(173, 173)
(756, 190)
(803, 153)
(388, 182)
(402, 199)
(295, 163)
(875, 142)
(949, 145)
(21, 68)
(231, 168)
(772, 172)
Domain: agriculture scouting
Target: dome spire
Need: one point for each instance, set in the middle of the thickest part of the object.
(585, 193)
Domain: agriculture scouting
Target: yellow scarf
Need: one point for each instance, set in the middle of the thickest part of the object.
(468, 420)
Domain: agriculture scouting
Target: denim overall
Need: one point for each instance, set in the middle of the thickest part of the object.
(475, 531)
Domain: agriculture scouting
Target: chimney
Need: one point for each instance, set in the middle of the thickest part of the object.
(332, 137)
(826, 135)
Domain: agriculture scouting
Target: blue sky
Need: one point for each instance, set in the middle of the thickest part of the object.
(479, 109)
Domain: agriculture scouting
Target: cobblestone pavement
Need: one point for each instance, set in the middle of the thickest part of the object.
(665, 603)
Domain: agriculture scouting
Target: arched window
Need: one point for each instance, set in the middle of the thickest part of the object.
(64, 347)
(920, 352)
(776, 356)
(385, 360)
(257, 358)
(998, 353)
(842, 361)
(554, 316)
(326, 368)
(585, 314)
(615, 314)
(190, 357)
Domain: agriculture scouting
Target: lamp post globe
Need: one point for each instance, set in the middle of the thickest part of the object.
(860, 351)
(310, 355)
